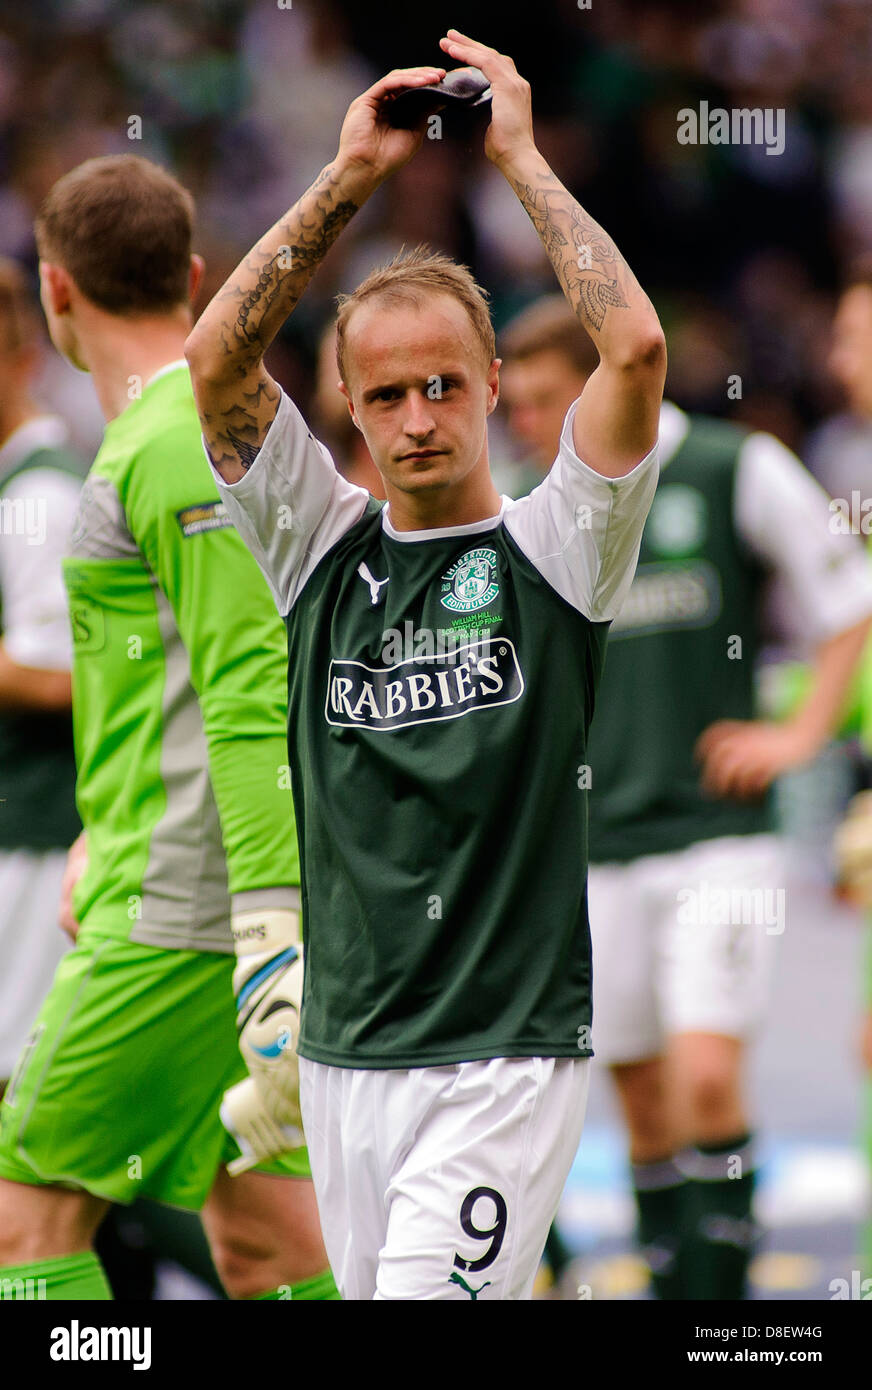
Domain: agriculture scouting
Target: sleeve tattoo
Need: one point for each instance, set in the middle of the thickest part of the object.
(588, 264)
(256, 303)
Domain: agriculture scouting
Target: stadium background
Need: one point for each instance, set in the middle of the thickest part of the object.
(742, 253)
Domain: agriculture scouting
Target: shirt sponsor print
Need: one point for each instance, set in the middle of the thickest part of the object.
(423, 689)
(204, 516)
(665, 597)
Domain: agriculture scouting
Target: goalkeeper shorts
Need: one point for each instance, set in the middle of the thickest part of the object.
(118, 1087)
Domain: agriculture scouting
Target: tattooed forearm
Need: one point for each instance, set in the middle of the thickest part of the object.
(266, 287)
(616, 419)
(234, 433)
(591, 271)
(236, 397)
(246, 453)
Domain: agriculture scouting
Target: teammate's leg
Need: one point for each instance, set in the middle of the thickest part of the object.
(707, 1083)
(713, 985)
(46, 1235)
(623, 902)
(659, 1185)
(265, 1235)
(706, 1086)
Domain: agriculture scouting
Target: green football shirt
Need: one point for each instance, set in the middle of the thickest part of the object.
(733, 511)
(179, 691)
(441, 684)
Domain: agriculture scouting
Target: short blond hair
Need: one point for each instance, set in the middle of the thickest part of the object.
(407, 277)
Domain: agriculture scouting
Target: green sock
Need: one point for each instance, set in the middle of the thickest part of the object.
(660, 1190)
(319, 1289)
(723, 1232)
(64, 1277)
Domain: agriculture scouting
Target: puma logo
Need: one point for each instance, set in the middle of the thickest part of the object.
(375, 585)
(456, 1278)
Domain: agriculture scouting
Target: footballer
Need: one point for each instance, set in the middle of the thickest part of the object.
(445, 1039)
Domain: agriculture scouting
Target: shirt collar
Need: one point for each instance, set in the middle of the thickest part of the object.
(164, 371)
(470, 528)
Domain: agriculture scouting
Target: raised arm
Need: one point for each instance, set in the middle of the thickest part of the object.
(617, 417)
(236, 396)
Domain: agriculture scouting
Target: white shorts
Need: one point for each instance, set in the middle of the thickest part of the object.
(684, 942)
(441, 1182)
(31, 942)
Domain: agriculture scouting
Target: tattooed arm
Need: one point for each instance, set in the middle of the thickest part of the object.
(236, 397)
(616, 420)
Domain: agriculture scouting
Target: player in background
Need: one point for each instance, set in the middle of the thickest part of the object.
(678, 769)
(182, 788)
(851, 365)
(840, 450)
(39, 490)
(446, 1019)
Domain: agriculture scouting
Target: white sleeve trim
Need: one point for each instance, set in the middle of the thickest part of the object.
(292, 505)
(783, 516)
(582, 530)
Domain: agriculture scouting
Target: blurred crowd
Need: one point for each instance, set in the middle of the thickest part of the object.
(742, 251)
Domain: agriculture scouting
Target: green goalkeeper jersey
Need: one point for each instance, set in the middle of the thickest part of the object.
(179, 692)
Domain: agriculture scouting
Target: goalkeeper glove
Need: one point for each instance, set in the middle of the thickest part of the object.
(263, 1111)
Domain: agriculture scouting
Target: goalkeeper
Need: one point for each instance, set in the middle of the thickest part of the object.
(179, 696)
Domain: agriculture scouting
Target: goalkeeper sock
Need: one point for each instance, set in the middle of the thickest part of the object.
(723, 1233)
(660, 1190)
(64, 1277)
(320, 1288)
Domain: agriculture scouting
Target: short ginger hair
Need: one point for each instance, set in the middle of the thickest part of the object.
(121, 226)
(406, 278)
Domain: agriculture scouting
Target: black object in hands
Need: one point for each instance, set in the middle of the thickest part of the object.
(460, 88)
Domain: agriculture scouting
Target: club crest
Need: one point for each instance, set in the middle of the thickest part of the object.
(471, 582)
